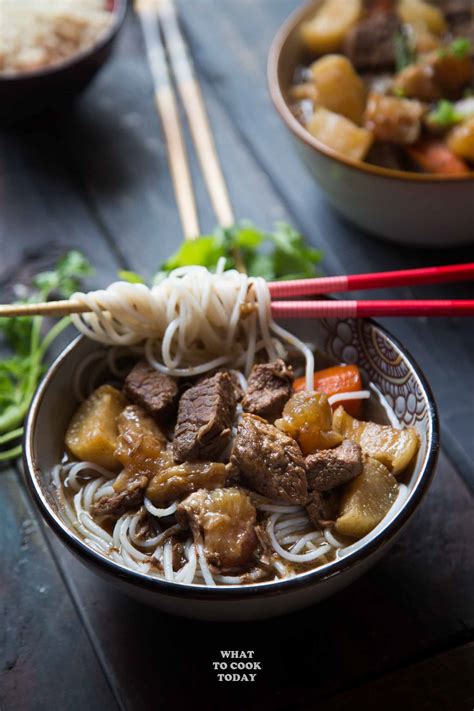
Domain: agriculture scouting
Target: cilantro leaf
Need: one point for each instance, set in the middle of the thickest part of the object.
(19, 374)
(131, 277)
(279, 254)
(444, 114)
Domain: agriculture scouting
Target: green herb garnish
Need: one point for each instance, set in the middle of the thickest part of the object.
(460, 47)
(445, 114)
(404, 54)
(19, 374)
(131, 277)
(280, 254)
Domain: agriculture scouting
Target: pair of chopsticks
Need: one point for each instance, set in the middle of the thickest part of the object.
(360, 282)
(164, 43)
(170, 66)
(326, 285)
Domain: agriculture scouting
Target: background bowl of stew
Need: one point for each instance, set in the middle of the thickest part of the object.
(400, 206)
(25, 94)
(383, 362)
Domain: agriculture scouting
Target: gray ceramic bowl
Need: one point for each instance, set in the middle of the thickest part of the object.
(383, 361)
(412, 208)
(28, 93)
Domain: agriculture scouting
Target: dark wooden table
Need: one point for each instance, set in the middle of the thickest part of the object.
(96, 178)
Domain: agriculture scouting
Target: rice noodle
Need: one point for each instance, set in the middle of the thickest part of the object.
(357, 395)
(191, 322)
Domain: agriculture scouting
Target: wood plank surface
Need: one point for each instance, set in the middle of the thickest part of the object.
(46, 659)
(416, 601)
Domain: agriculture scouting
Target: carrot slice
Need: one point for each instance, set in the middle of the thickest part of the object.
(436, 157)
(337, 379)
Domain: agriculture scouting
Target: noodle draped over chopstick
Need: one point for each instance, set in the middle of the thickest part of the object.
(191, 322)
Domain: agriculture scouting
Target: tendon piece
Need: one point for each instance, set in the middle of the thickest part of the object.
(366, 500)
(224, 520)
(93, 430)
(205, 417)
(329, 468)
(269, 388)
(393, 448)
(156, 392)
(392, 119)
(141, 449)
(178, 480)
(307, 417)
(269, 460)
(323, 507)
(141, 443)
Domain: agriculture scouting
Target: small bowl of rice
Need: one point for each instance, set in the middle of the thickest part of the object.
(51, 49)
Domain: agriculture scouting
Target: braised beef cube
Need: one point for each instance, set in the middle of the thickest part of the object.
(156, 392)
(329, 468)
(205, 417)
(323, 508)
(224, 521)
(238, 391)
(269, 388)
(270, 461)
(130, 497)
(370, 44)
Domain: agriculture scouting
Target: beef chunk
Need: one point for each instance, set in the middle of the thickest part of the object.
(269, 460)
(323, 508)
(130, 497)
(205, 417)
(156, 392)
(370, 44)
(269, 388)
(329, 468)
(224, 520)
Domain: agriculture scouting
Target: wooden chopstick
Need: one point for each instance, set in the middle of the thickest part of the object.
(361, 309)
(358, 282)
(336, 308)
(166, 104)
(193, 103)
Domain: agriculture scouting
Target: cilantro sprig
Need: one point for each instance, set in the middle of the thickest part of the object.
(20, 373)
(278, 254)
(459, 47)
(444, 115)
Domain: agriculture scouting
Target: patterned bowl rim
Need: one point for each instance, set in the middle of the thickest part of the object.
(195, 591)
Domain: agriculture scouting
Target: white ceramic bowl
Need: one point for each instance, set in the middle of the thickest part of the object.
(382, 360)
(400, 206)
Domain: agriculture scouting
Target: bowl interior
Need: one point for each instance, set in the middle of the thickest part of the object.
(286, 54)
(382, 361)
